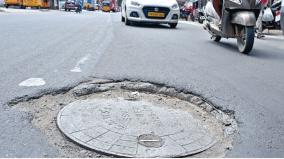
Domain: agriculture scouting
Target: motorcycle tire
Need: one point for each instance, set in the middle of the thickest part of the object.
(216, 38)
(173, 25)
(245, 42)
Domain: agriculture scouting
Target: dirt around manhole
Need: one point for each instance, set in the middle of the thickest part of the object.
(217, 124)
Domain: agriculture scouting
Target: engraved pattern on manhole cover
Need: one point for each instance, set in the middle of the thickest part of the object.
(114, 126)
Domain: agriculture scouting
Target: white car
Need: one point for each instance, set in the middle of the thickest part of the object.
(151, 11)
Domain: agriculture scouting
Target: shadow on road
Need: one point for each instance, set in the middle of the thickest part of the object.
(149, 25)
(268, 53)
(226, 45)
(265, 54)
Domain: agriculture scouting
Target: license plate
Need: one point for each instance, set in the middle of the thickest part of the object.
(156, 14)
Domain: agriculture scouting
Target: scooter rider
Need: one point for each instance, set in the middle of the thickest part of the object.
(232, 19)
(78, 7)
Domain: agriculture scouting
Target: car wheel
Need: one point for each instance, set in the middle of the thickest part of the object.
(127, 22)
(173, 25)
(122, 19)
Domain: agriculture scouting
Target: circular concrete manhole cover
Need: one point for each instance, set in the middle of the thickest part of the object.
(133, 128)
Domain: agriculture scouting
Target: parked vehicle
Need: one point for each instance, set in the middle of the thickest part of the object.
(27, 3)
(274, 23)
(70, 5)
(36, 3)
(106, 6)
(89, 5)
(8, 3)
(237, 21)
(109, 5)
(156, 11)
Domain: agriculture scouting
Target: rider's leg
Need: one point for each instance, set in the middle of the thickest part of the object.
(218, 7)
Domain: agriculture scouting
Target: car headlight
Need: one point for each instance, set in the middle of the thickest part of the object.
(175, 6)
(134, 3)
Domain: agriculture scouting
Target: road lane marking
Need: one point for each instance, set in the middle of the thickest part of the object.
(80, 63)
(190, 23)
(31, 82)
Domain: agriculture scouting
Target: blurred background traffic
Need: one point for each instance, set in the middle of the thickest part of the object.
(190, 10)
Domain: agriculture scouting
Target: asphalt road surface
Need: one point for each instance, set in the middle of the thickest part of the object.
(63, 49)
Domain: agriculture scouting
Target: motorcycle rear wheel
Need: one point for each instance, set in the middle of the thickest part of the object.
(246, 40)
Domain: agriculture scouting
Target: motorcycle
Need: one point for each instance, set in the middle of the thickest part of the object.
(237, 21)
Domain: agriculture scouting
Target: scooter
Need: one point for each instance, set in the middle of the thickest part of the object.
(237, 21)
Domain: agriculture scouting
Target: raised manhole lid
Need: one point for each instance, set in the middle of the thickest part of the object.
(133, 128)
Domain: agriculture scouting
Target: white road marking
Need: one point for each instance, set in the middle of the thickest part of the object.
(79, 63)
(32, 82)
(190, 23)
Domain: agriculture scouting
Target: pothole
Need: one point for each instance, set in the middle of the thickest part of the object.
(130, 119)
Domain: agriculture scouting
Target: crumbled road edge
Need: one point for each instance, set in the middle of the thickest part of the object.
(52, 101)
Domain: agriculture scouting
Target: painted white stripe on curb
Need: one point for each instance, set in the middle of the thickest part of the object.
(32, 82)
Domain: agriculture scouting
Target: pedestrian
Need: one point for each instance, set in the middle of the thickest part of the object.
(78, 8)
(259, 25)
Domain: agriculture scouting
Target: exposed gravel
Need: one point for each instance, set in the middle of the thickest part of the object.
(44, 110)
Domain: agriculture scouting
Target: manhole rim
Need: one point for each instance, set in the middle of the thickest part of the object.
(120, 154)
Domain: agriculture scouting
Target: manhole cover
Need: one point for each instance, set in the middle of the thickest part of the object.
(133, 128)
